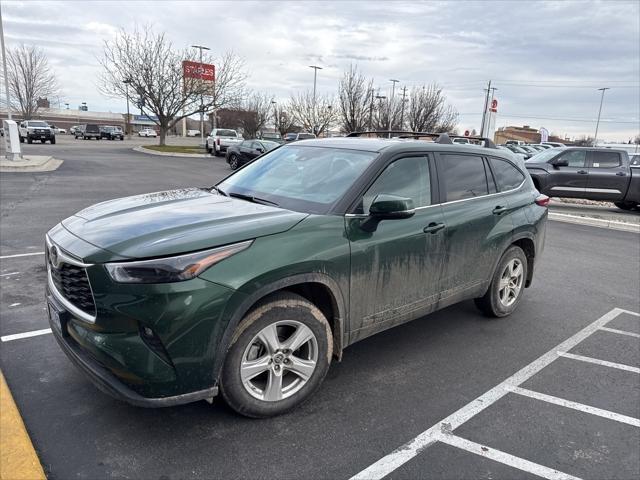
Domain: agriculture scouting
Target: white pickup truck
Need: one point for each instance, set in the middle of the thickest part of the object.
(220, 139)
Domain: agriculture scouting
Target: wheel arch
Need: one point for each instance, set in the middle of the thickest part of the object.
(527, 243)
(318, 288)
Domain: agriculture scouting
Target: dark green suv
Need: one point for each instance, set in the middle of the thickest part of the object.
(253, 286)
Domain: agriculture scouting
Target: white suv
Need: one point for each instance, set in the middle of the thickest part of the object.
(147, 132)
(220, 139)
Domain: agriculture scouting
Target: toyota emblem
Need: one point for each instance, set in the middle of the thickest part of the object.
(53, 257)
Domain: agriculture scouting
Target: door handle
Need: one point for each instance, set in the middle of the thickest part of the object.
(621, 174)
(433, 227)
(499, 210)
(582, 172)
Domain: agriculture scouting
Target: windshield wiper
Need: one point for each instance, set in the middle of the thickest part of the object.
(253, 199)
(220, 191)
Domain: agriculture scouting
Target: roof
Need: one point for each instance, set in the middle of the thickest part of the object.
(400, 145)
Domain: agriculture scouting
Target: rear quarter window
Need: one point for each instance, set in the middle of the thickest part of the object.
(605, 159)
(507, 176)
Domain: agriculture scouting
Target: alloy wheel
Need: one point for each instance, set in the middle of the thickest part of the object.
(279, 360)
(511, 282)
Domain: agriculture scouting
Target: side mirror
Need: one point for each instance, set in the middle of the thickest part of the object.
(560, 163)
(259, 150)
(387, 207)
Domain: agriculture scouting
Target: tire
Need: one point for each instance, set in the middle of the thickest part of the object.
(625, 205)
(504, 293)
(287, 315)
(29, 140)
(233, 162)
(21, 139)
(52, 141)
(208, 149)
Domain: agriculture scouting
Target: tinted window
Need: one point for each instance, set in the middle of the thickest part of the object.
(92, 128)
(462, 176)
(304, 136)
(575, 158)
(635, 159)
(605, 159)
(407, 177)
(226, 133)
(507, 176)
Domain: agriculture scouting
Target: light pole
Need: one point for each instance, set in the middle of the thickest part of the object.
(595, 137)
(201, 70)
(315, 78)
(275, 116)
(380, 98)
(127, 123)
(4, 66)
(393, 91)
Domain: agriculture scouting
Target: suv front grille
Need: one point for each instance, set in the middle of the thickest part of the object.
(72, 282)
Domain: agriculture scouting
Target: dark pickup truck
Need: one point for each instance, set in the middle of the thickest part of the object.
(584, 172)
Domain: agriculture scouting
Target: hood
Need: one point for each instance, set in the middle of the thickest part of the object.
(176, 221)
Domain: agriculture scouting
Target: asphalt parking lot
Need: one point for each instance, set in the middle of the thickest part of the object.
(552, 391)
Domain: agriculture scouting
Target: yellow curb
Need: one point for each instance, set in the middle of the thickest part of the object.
(18, 459)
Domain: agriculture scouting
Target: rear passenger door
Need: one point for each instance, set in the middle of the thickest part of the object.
(608, 177)
(478, 225)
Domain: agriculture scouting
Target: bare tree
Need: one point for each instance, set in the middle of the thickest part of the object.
(257, 112)
(428, 110)
(355, 97)
(584, 141)
(153, 68)
(284, 121)
(30, 78)
(312, 118)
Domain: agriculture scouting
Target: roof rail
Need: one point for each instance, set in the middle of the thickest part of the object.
(444, 138)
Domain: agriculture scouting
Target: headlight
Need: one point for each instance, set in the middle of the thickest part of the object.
(172, 269)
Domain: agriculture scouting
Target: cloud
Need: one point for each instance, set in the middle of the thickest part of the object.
(560, 47)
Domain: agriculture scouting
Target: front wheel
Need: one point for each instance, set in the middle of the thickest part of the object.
(625, 205)
(53, 141)
(505, 291)
(279, 355)
(233, 162)
(29, 140)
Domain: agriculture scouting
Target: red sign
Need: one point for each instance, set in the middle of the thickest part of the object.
(466, 133)
(202, 71)
(494, 105)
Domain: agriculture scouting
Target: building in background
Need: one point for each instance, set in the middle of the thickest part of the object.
(525, 134)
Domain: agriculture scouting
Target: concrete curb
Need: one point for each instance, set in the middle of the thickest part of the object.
(595, 222)
(141, 149)
(18, 458)
(31, 163)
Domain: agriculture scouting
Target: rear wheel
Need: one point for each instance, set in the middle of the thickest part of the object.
(625, 205)
(505, 291)
(29, 140)
(278, 357)
(233, 162)
(53, 141)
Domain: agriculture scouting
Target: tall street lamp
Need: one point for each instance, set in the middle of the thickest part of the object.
(201, 48)
(393, 91)
(275, 115)
(315, 78)
(128, 122)
(380, 98)
(595, 137)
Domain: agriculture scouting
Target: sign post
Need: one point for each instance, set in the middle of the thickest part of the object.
(11, 140)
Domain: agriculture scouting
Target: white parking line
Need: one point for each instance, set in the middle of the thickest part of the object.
(597, 361)
(400, 456)
(620, 332)
(21, 255)
(7, 274)
(577, 406)
(18, 336)
(505, 458)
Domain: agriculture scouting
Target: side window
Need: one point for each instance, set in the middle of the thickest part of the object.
(407, 177)
(463, 176)
(575, 158)
(605, 159)
(507, 176)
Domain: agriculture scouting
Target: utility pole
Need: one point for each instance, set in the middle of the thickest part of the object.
(276, 127)
(484, 110)
(201, 48)
(595, 137)
(371, 110)
(4, 66)
(380, 98)
(128, 122)
(404, 94)
(315, 79)
(393, 90)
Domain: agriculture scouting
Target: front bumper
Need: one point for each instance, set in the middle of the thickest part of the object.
(102, 377)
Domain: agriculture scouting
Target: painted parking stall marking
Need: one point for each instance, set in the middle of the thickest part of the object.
(19, 336)
(3, 257)
(443, 430)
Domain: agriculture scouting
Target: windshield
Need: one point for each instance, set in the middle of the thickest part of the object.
(543, 156)
(303, 136)
(301, 178)
(38, 124)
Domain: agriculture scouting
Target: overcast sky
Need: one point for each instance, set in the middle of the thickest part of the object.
(545, 58)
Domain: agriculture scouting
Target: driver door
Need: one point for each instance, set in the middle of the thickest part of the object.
(395, 270)
(570, 180)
